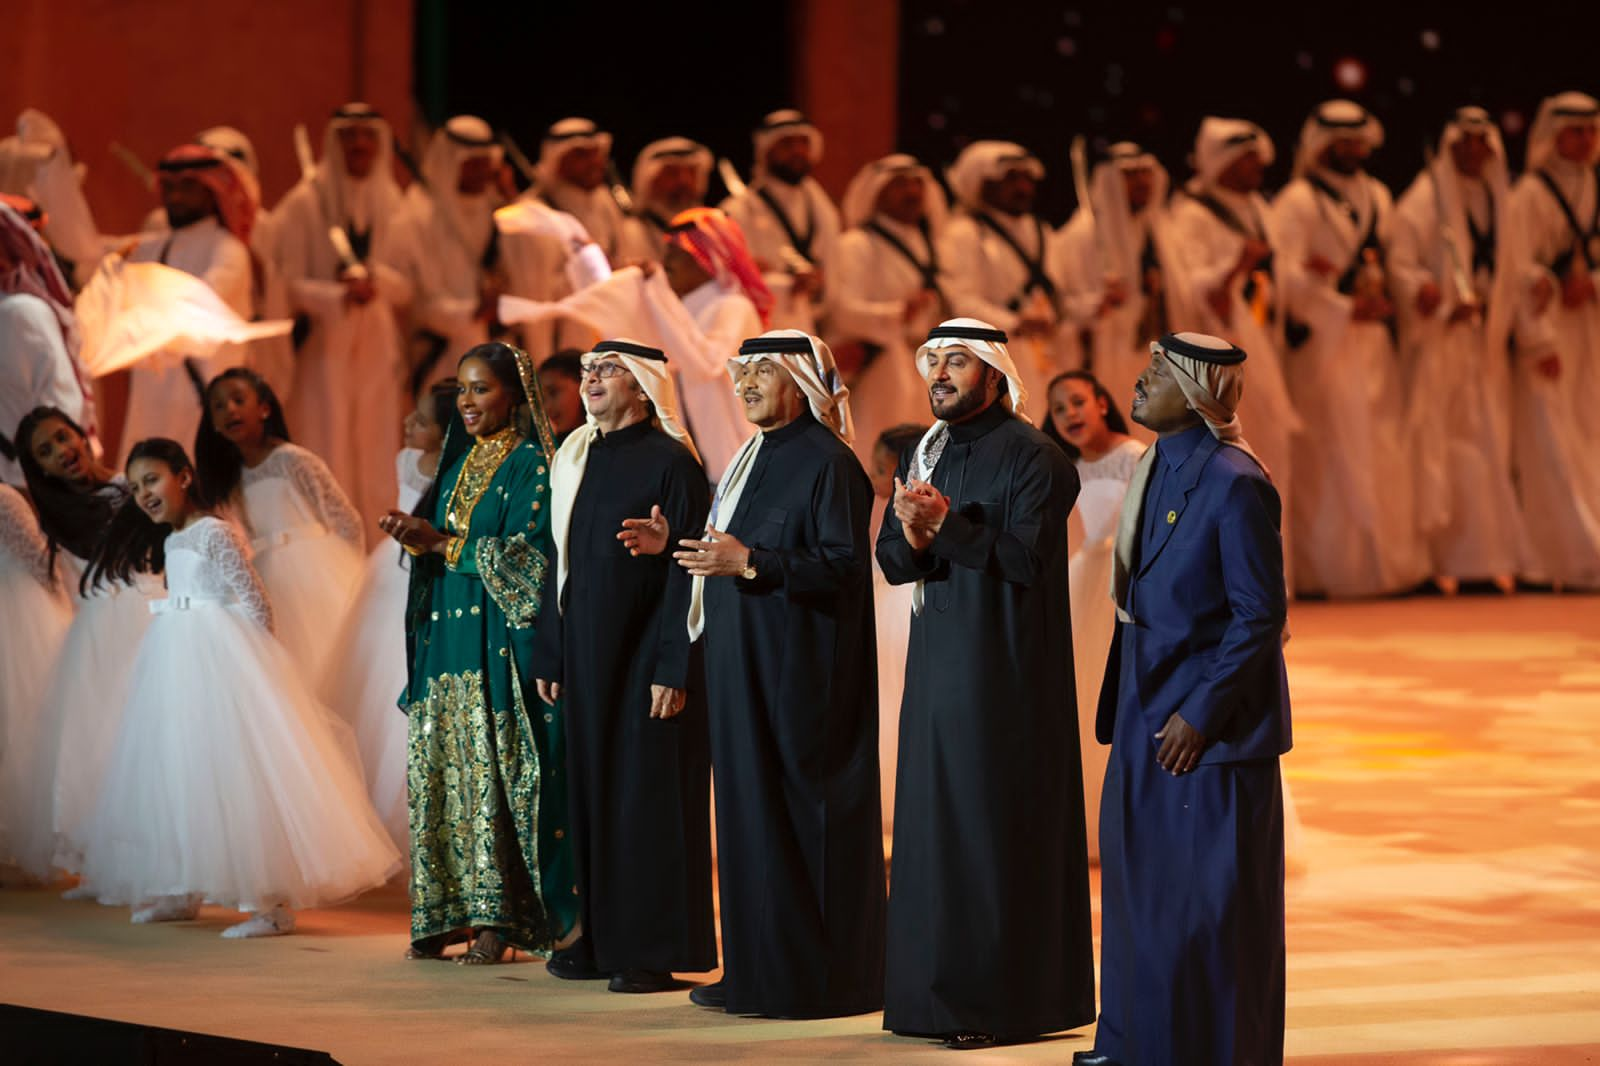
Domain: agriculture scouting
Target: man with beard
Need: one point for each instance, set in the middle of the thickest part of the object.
(995, 250)
(1195, 706)
(1223, 275)
(669, 177)
(889, 290)
(350, 393)
(571, 171)
(783, 594)
(989, 928)
(789, 223)
(210, 204)
(1106, 257)
(449, 249)
(1353, 525)
(612, 640)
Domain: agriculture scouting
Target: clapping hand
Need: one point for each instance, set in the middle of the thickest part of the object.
(921, 509)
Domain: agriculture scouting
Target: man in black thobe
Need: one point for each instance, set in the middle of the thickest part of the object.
(989, 930)
(785, 601)
(613, 646)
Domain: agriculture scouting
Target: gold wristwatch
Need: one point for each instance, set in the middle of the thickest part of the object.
(749, 571)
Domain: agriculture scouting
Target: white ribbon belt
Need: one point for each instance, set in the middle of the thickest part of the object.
(186, 603)
(286, 536)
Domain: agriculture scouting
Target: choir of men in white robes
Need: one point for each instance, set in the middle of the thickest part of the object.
(574, 158)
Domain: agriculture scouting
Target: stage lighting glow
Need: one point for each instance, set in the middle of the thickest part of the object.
(1430, 40)
(1513, 122)
(1350, 74)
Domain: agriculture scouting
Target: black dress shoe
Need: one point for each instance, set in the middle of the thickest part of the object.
(641, 981)
(1093, 1058)
(574, 964)
(969, 1041)
(712, 995)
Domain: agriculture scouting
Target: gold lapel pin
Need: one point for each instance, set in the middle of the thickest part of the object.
(1172, 517)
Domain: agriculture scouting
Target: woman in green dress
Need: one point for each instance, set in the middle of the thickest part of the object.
(490, 858)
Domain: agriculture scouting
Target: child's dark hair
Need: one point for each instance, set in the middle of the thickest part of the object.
(441, 402)
(1114, 420)
(217, 459)
(70, 518)
(568, 362)
(134, 543)
(899, 439)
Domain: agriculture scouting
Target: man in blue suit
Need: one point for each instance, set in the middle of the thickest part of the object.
(1195, 706)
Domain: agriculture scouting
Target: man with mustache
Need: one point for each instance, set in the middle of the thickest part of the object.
(783, 595)
(989, 931)
(1195, 706)
(791, 225)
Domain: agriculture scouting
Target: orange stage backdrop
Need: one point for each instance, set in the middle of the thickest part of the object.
(152, 73)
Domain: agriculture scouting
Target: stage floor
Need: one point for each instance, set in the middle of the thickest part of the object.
(1445, 773)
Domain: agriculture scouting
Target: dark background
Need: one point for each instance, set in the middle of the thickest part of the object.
(1037, 73)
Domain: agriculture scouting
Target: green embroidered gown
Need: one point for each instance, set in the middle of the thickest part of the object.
(486, 762)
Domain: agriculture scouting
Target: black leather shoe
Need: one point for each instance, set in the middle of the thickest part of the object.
(574, 964)
(1093, 1058)
(712, 995)
(969, 1041)
(641, 981)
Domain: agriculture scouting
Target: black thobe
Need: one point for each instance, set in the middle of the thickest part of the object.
(791, 679)
(989, 927)
(640, 786)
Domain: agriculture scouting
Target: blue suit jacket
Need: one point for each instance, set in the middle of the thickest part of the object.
(1209, 610)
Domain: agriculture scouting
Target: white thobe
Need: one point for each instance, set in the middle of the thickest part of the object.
(350, 392)
(1457, 421)
(1555, 425)
(1353, 517)
(1198, 253)
(809, 211)
(596, 208)
(444, 268)
(1118, 349)
(163, 396)
(35, 370)
(987, 278)
(872, 283)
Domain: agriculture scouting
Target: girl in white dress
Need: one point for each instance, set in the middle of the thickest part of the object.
(892, 610)
(228, 782)
(1090, 428)
(34, 615)
(368, 669)
(75, 496)
(305, 534)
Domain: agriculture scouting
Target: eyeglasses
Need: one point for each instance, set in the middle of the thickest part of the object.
(603, 369)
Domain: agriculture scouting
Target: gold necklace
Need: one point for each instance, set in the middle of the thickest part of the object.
(477, 472)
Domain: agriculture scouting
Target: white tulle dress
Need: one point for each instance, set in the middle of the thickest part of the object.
(1104, 482)
(305, 537)
(368, 667)
(79, 716)
(229, 780)
(34, 616)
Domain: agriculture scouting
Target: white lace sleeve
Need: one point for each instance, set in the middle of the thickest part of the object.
(224, 545)
(21, 538)
(313, 478)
